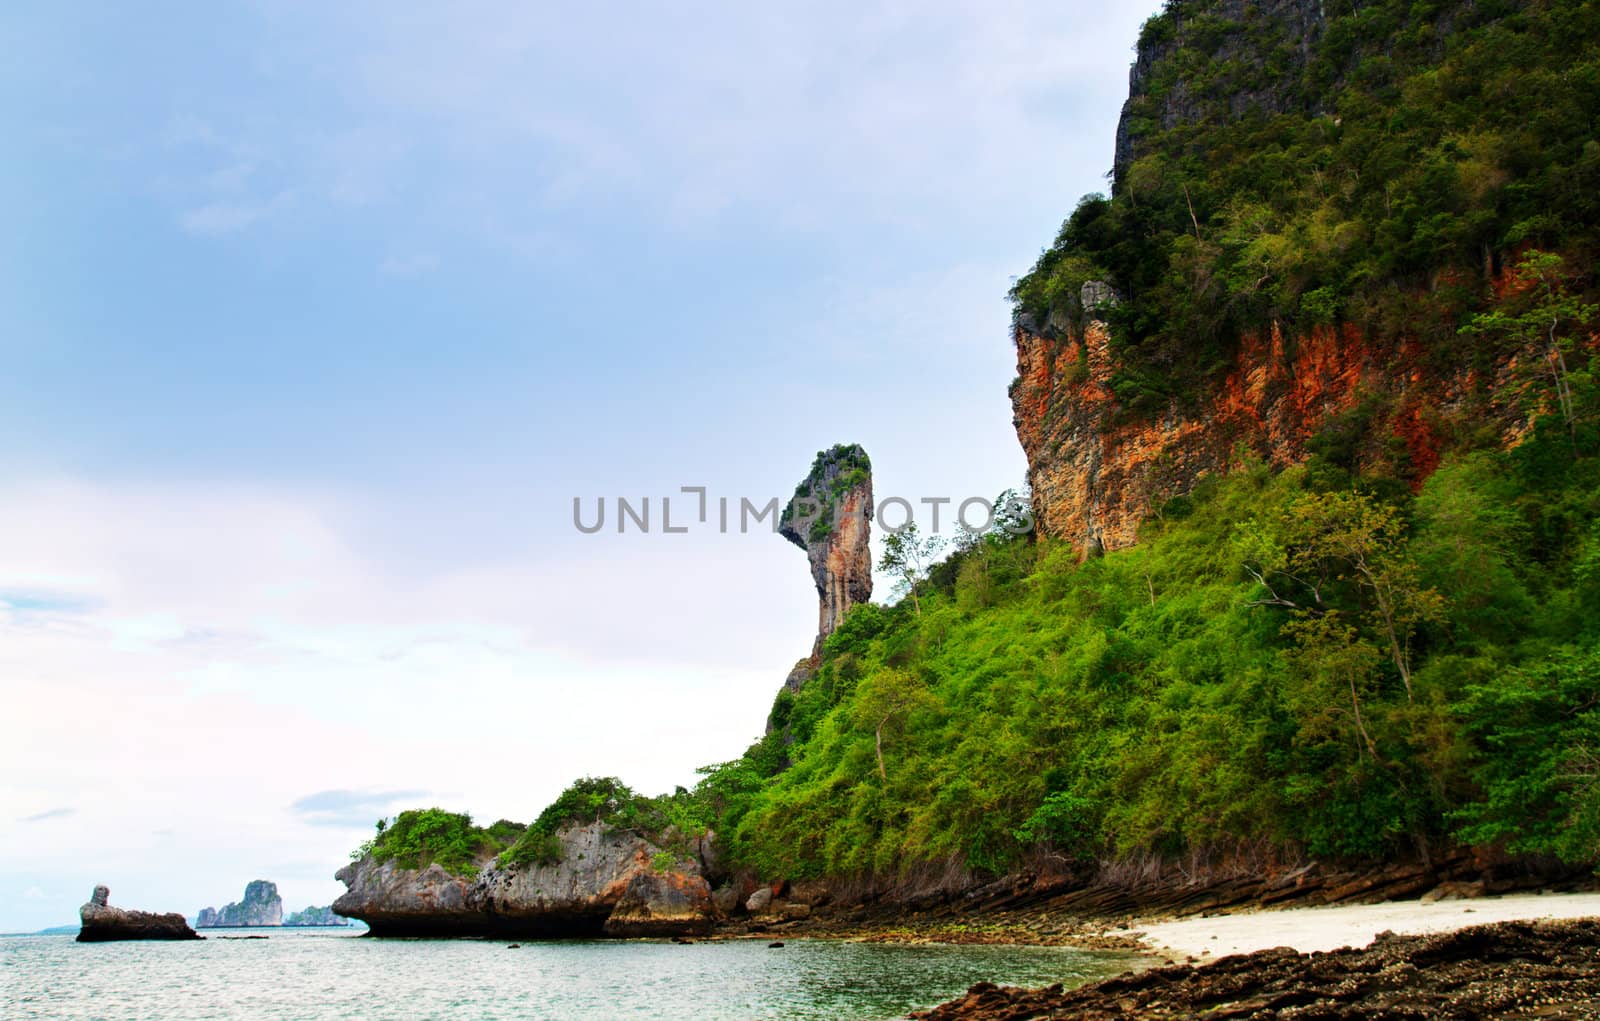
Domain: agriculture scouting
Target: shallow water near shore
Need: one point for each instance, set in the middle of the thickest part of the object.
(316, 974)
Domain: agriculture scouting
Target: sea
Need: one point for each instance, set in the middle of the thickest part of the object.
(317, 974)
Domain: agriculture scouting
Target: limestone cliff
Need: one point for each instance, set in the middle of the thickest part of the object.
(830, 517)
(1160, 99)
(1096, 473)
(608, 882)
(260, 906)
(1264, 311)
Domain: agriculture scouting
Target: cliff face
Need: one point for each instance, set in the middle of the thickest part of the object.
(1248, 194)
(1155, 104)
(830, 517)
(608, 883)
(261, 906)
(1096, 473)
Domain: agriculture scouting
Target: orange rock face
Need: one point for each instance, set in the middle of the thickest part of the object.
(1096, 472)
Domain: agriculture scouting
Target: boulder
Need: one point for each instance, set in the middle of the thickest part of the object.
(725, 899)
(608, 882)
(759, 902)
(812, 892)
(103, 923)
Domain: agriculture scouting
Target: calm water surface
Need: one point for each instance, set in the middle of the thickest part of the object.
(312, 975)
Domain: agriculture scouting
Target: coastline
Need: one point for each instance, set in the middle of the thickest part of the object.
(1524, 954)
(1320, 929)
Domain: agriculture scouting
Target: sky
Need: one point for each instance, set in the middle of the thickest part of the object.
(316, 318)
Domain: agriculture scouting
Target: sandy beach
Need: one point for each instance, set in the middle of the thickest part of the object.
(1328, 928)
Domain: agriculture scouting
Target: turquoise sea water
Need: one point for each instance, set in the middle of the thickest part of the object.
(317, 974)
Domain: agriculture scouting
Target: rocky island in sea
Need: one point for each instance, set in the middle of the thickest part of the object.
(314, 917)
(102, 923)
(571, 879)
(260, 906)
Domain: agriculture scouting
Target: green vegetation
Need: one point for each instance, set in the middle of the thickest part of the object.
(666, 819)
(1305, 662)
(1341, 660)
(419, 838)
(833, 473)
(431, 836)
(1377, 177)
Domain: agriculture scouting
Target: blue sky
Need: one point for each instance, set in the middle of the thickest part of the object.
(316, 318)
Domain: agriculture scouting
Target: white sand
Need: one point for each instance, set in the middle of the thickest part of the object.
(1309, 929)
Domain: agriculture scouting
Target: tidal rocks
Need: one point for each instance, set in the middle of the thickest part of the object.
(1512, 969)
(103, 923)
(830, 517)
(261, 906)
(608, 882)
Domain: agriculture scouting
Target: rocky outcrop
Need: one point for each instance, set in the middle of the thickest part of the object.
(607, 883)
(314, 917)
(1510, 969)
(830, 517)
(1096, 472)
(102, 923)
(261, 906)
(1229, 33)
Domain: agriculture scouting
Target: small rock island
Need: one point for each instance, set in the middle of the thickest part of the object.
(261, 906)
(103, 923)
(594, 880)
(314, 917)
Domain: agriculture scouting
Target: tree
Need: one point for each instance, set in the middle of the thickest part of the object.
(1542, 312)
(907, 556)
(884, 700)
(1333, 538)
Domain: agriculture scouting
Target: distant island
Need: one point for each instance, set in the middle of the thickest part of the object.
(319, 917)
(262, 907)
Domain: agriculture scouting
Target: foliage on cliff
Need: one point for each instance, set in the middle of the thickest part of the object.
(1375, 169)
(418, 838)
(663, 819)
(834, 472)
(1295, 663)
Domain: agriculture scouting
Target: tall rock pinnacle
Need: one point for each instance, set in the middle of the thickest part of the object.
(830, 517)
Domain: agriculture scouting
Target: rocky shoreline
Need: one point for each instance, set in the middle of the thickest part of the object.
(1505, 970)
(1101, 911)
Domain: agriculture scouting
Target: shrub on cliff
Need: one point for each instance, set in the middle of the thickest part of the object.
(602, 800)
(431, 836)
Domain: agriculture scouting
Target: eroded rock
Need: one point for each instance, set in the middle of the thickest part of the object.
(608, 882)
(102, 923)
(830, 517)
